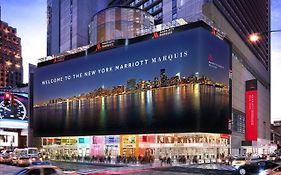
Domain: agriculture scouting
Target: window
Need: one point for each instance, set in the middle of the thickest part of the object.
(174, 9)
(174, 16)
(49, 171)
(137, 1)
(146, 4)
(34, 172)
(238, 122)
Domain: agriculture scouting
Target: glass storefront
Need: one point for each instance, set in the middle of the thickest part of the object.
(118, 23)
(193, 147)
(205, 148)
(129, 145)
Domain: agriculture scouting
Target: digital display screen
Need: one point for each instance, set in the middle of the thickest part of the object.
(251, 105)
(173, 83)
(14, 114)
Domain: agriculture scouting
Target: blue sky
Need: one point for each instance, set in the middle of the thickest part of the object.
(275, 60)
(29, 17)
(30, 20)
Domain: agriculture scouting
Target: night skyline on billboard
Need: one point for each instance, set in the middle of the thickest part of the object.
(130, 89)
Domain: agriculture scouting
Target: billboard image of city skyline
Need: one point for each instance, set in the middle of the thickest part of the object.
(170, 84)
(14, 115)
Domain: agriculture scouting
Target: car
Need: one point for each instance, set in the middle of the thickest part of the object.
(256, 167)
(40, 170)
(274, 171)
(273, 157)
(6, 157)
(1, 157)
(23, 161)
(263, 156)
(239, 161)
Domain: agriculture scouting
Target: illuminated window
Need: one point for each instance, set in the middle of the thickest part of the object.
(238, 122)
(174, 9)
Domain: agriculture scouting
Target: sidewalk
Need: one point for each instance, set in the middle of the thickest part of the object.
(155, 164)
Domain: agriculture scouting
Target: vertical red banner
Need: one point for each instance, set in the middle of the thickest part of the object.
(251, 105)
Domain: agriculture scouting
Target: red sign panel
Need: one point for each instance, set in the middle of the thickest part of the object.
(251, 115)
(225, 136)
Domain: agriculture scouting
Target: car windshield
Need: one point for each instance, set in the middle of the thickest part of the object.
(22, 152)
(32, 151)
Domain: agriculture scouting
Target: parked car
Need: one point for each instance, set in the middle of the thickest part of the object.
(274, 171)
(256, 167)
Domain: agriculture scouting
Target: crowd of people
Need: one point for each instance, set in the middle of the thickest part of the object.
(146, 159)
(134, 159)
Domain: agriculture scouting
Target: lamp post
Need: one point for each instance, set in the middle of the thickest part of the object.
(255, 37)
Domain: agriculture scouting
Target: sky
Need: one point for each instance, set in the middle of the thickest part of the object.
(275, 60)
(29, 18)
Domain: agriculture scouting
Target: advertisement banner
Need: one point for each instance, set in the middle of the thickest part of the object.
(174, 83)
(13, 112)
(251, 102)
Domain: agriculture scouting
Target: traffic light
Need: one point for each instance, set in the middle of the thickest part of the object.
(13, 100)
(7, 98)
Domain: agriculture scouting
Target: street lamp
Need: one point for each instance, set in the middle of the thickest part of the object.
(255, 37)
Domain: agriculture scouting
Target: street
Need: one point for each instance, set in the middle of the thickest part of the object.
(107, 169)
(8, 169)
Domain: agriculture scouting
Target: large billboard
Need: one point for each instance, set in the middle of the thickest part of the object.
(173, 83)
(14, 115)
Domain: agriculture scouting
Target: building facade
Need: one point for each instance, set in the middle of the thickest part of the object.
(249, 61)
(250, 18)
(11, 72)
(276, 133)
(118, 23)
(13, 131)
(67, 23)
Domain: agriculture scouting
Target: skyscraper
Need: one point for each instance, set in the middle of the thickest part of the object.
(68, 22)
(233, 20)
(11, 71)
(237, 20)
(252, 16)
(163, 78)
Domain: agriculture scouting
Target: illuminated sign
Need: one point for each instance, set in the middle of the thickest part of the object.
(13, 110)
(68, 140)
(143, 87)
(251, 101)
